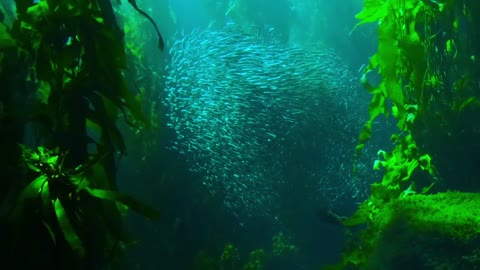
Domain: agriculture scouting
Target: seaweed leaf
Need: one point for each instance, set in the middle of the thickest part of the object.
(373, 10)
(34, 188)
(126, 200)
(67, 229)
(45, 195)
(50, 231)
(161, 44)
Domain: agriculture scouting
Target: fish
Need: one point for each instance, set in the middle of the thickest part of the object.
(241, 105)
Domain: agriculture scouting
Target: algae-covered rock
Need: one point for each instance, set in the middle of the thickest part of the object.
(455, 215)
(439, 231)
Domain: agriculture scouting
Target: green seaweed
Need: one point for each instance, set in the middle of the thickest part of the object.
(62, 66)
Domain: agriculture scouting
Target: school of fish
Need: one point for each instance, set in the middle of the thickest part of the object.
(251, 116)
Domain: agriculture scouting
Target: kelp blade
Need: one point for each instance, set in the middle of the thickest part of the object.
(124, 199)
(68, 231)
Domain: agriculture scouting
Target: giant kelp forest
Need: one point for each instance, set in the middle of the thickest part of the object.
(73, 71)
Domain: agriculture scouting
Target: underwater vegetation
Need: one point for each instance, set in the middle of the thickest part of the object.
(63, 90)
(232, 258)
(241, 106)
(427, 59)
(437, 231)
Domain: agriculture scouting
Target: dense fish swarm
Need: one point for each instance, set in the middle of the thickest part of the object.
(255, 118)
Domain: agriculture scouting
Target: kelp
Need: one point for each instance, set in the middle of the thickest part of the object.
(421, 87)
(161, 43)
(71, 62)
(56, 184)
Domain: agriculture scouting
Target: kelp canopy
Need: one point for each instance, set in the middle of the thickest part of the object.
(63, 89)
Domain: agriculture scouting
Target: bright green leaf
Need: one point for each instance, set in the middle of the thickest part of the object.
(455, 24)
(52, 160)
(34, 188)
(366, 132)
(45, 195)
(98, 19)
(67, 229)
(449, 45)
(39, 11)
(373, 10)
(410, 118)
(409, 191)
(377, 106)
(466, 103)
(395, 111)
(377, 164)
(410, 168)
(394, 92)
(390, 178)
